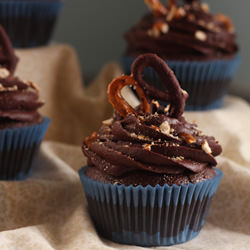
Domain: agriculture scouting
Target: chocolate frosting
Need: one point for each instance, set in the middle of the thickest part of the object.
(19, 101)
(154, 143)
(160, 142)
(187, 32)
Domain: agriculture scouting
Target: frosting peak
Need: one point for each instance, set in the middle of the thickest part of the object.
(19, 100)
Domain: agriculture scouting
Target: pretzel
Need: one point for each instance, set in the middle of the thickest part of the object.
(157, 7)
(90, 139)
(173, 93)
(119, 103)
(158, 28)
(225, 21)
(8, 58)
(171, 3)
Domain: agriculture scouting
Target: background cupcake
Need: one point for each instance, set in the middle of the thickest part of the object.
(29, 23)
(198, 46)
(21, 126)
(150, 177)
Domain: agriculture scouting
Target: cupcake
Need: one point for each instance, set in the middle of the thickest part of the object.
(151, 175)
(29, 23)
(198, 46)
(21, 126)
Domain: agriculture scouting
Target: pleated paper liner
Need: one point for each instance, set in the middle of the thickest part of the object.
(29, 23)
(18, 149)
(206, 82)
(149, 216)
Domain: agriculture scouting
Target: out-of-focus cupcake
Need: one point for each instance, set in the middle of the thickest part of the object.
(151, 175)
(198, 46)
(21, 126)
(29, 23)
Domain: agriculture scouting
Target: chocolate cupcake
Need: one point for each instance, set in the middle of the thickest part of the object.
(21, 126)
(151, 175)
(29, 23)
(198, 46)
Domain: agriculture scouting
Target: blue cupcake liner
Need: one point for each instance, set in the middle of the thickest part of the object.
(18, 149)
(206, 82)
(149, 216)
(29, 23)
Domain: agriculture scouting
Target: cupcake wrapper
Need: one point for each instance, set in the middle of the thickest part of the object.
(206, 82)
(29, 23)
(18, 148)
(149, 216)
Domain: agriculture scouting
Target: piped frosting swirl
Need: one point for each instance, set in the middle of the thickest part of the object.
(19, 100)
(186, 32)
(159, 141)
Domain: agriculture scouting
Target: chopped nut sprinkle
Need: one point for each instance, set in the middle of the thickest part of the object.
(200, 35)
(165, 128)
(4, 73)
(147, 147)
(2, 88)
(165, 28)
(158, 28)
(107, 122)
(33, 85)
(180, 13)
(205, 7)
(167, 108)
(188, 138)
(156, 103)
(206, 148)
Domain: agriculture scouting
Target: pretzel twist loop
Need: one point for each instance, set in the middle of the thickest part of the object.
(117, 100)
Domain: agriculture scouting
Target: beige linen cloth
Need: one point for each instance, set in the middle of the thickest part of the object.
(48, 211)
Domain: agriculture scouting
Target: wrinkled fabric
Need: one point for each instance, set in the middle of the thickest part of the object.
(48, 211)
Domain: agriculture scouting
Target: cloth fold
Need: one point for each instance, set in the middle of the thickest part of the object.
(49, 210)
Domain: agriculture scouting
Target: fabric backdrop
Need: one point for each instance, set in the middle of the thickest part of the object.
(48, 211)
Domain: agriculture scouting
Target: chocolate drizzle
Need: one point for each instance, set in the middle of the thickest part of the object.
(187, 32)
(161, 142)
